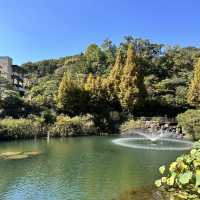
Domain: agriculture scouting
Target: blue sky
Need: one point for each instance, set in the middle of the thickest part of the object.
(32, 30)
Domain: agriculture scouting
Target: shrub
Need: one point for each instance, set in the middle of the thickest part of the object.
(13, 105)
(182, 179)
(190, 123)
(67, 126)
(132, 124)
(21, 128)
(48, 116)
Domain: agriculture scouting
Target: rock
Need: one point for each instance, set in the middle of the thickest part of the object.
(11, 153)
(18, 155)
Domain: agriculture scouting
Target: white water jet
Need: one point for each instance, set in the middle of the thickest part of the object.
(153, 135)
(154, 140)
(160, 144)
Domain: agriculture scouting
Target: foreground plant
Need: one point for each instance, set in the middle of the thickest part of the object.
(182, 179)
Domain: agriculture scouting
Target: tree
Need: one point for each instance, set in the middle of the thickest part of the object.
(194, 89)
(71, 98)
(112, 82)
(95, 59)
(132, 89)
(11, 104)
(95, 88)
(43, 92)
(109, 49)
(90, 83)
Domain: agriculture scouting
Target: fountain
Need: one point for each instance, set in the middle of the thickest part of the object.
(154, 140)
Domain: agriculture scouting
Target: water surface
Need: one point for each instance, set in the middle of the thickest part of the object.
(86, 168)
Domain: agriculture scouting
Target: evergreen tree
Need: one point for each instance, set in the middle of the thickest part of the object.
(113, 81)
(194, 89)
(94, 85)
(71, 98)
(132, 89)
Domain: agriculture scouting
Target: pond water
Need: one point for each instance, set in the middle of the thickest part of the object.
(85, 168)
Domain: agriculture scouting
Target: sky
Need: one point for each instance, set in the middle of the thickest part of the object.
(32, 30)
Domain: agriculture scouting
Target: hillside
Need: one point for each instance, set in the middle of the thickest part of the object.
(167, 71)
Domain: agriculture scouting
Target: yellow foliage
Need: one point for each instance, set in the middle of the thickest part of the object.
(194, 89)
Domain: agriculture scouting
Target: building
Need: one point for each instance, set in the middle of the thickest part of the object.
(6, 67)
(13, 73)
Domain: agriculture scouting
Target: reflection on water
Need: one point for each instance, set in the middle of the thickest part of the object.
(143, 194)
(87, 168)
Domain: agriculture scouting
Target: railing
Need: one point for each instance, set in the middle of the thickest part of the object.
(161, 120)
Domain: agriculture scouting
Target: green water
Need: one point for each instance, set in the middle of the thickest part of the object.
(86, 168)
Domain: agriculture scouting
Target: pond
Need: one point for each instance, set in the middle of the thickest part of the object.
(85, 168)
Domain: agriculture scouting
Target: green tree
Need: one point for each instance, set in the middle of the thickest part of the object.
(11, 104)
(194, 89)
(109, 49)
(72, 98)
(95, 59)
(132, 89)
(43, 92)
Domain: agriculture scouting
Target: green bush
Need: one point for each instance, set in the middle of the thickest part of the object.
(48, 116)
(132, 124)
(21, 128)
(182, 179)
(11, 104)
(190, 123)
(67, 126)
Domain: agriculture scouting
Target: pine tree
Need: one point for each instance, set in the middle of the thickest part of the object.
(194, 89)
(132, 89)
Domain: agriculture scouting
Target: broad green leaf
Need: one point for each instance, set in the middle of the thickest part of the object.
(185, 177)
(162, 169)
(164, 179)
(171, 180)
(172, 166)
(193, 151)
(196, 163)
(158, 183)
(197, 178)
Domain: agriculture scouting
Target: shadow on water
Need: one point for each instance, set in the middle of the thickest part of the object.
(143, 194)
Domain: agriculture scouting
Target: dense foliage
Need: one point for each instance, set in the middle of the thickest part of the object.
(21, 128)
(194, 89)
(166, 72)
(75, 126)
(137, 77)
(182, 178)
(190, 123)
(132, 90)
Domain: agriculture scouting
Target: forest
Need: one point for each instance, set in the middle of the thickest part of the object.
(106, 85)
